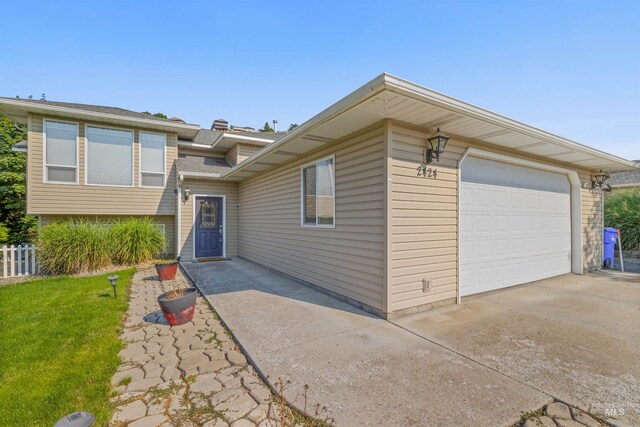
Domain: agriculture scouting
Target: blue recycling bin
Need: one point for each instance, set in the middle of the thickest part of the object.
(610, 239)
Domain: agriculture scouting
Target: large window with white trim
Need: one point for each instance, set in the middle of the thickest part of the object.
(61, 152)
(109, 156)
(152, 159)
(318, 193)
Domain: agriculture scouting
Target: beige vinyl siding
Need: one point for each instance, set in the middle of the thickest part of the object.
(245, 151)
(212, 188)
(423, 222)
(166, 220)
(232, 156)
(592, 223)
(241, 152)
(347, 259)
(80, 199)
(424, 219)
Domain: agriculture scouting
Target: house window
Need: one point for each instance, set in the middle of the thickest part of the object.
(61, 152)
(318, 193)
(109, 156)
(152, 159)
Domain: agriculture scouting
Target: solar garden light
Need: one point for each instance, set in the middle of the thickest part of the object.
(114, 281)
(77, 419)
(599, 179)
(437, 143)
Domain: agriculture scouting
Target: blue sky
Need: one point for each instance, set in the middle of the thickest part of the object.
(569, 67)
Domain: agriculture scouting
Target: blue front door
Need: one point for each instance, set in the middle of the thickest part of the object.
(209, 227)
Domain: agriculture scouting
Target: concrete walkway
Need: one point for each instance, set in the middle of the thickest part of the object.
(365, 370)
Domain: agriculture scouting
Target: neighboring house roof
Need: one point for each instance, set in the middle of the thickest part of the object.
(190, 165)
(625, 179)
(390, 97)
(20, 146)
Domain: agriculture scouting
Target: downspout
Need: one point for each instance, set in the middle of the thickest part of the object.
(179, 216)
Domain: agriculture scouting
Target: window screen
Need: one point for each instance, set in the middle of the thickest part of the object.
(61, 151)
(318, 198)
(152, 159)
(109, 156)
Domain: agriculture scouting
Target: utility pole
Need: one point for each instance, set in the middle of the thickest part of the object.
(275, 125)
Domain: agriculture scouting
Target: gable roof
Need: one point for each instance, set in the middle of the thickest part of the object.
(390, 97)
(625, 179)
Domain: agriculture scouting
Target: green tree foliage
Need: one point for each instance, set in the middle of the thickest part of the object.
(292, 126)
(13, 166)
(162, 116)
(4, 234)
(266, 128)
(622, 211)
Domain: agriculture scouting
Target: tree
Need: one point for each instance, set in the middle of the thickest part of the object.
(162, 116)
(292, 126)
(13, 179)
(266, 128)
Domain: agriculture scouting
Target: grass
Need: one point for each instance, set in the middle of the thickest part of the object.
(59, 341)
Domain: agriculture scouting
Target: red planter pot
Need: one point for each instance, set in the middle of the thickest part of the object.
(167, 271)
(178, 311)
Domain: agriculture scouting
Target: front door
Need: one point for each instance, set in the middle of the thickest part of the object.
(209, 227)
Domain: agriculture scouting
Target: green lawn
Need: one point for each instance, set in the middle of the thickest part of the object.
(59, 348)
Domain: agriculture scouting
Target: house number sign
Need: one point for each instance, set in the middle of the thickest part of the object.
(427, 172)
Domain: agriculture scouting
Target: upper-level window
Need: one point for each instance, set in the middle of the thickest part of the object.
(109, 156)
(152, 159)
(318, 193)
(61, 152)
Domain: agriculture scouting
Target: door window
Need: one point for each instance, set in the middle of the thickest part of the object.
(208, 215)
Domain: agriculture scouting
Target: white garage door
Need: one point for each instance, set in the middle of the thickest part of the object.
(515, 225)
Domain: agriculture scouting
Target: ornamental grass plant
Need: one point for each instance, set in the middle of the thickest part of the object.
(622, 211)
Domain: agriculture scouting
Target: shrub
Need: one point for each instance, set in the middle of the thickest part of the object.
(622, 211)
(136, 240)
(4, 234)
(73, 246)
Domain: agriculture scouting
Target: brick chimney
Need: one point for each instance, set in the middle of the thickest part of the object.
(220, 124)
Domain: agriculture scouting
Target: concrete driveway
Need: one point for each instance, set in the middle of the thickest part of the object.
(576, 338)
(482, 363)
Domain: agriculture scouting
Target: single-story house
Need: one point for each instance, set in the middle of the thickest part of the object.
(396, 198)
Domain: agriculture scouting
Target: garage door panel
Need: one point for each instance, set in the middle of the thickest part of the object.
(515, 225)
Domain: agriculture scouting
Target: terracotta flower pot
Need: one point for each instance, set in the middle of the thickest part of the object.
(167, 271)
(178, 311)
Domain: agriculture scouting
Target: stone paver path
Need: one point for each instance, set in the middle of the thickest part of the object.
(193, 374)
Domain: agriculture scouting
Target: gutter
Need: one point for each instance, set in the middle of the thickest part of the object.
(200, 174)
(223, 135)
(396, 84)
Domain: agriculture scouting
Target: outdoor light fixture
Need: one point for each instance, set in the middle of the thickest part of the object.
(77, 419)
(114, 281)
(599, 179)
(187, 193)
(437, 143)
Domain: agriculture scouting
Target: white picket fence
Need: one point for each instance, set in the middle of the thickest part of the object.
(18, 260)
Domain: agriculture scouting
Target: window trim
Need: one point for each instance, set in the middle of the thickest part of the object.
(86, 155)
(45, 172)
(315, 163)
(164, 164)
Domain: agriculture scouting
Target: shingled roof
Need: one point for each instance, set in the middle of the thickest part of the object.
(96, 109)
(625, 179)
(186, 164)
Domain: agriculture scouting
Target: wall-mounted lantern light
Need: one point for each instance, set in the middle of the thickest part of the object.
(187, 194)
(598, 179)
(113, 279)
(437, 143)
